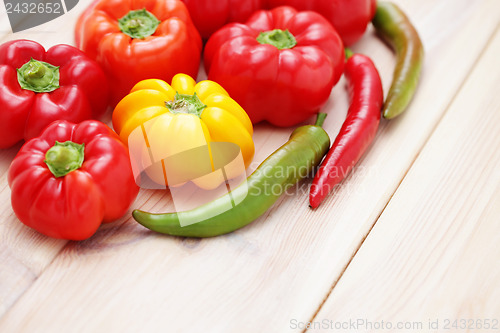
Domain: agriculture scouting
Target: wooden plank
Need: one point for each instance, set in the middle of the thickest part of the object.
(434, 253)
(278, 268)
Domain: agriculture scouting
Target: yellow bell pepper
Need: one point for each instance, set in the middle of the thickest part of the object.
(182, 117)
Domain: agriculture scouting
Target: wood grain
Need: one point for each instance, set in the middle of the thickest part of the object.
(257, 279)
(434, 253)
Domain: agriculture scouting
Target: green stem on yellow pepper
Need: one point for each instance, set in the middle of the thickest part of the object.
(190, 104)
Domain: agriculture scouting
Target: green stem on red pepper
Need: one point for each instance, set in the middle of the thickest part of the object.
(139, 24)
(65, 157)
(281, 39)
(38, 76)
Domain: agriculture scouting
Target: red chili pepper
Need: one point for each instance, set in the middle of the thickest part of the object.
(39, 87)
(71, 178)
(280, 66)
(357, 132)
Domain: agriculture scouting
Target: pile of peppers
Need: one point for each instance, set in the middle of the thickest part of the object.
(266, 60)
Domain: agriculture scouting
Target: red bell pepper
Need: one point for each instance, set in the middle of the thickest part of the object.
(349, 17)
(280, 66)
(138, 40)
(209, 16)
(38, 87)
(71, 178)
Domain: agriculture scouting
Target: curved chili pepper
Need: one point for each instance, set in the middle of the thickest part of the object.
(358, 130)
(285, 167)
(395, 27)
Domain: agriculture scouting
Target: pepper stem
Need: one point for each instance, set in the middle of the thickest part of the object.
(281, 39)
(186, 104)
(320, 119)
(348, 53)
(38, 76)
(139, 24)
(65, 157)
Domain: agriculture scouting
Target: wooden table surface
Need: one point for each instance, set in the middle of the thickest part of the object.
(410, 240)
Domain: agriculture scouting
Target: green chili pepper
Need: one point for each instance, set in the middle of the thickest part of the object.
(393, 25)
(292, 162)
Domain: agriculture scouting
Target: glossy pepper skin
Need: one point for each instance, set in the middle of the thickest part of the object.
(394, 26)
(181, 117)
(349, 17)
(284, 168)
(138, 40)
(61, 83)
(280, 66)
(209, 16)
(357, 132)
(70, 179)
